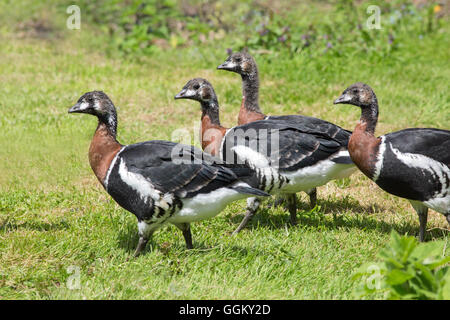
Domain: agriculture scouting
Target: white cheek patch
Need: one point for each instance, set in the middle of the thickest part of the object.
(84, 105)
(97, 105)
(346, 97)
(190, 93)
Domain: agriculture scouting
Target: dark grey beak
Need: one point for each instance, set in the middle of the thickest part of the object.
(344, 98)
(225, 66)
(182, 94)
(75, 108)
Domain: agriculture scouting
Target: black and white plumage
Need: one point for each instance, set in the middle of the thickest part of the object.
(146, 180)
(160, 181)
(287, 146)
(245, 65)
(412, 163)
(288, 156)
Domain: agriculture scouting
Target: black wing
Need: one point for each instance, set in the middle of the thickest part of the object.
(317, 126)
(421, 182)
(286, 144)
(433, 143)
(180, 169)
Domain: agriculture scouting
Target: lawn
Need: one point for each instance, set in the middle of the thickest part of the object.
(63, 237)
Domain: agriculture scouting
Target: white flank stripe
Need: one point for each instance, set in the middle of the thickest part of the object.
(341, 153)
(206, 205)
(416, 160)
(111, 166)
(254, 158)
(222, 142)
(138, 182)
(379, 163)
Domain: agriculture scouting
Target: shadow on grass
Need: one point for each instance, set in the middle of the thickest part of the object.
(360, 219)
(345, 204)
(128, 239)
(332, 206)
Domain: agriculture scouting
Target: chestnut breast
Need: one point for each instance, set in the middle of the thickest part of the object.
(363, 148)
(211, 136)
(247, 116)
(102, 151)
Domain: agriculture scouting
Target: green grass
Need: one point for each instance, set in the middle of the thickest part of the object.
(54, 214)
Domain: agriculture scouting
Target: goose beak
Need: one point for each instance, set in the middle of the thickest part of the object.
(180, 95)
(345, 98)
(185, 94)
(75, 108)
(227, 65)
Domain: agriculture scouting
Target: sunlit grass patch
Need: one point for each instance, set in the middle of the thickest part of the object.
(54, 215)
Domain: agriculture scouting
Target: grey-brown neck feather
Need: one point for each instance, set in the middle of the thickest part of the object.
(211, 109)
(369, 114)
(250, 89)
(110, 121)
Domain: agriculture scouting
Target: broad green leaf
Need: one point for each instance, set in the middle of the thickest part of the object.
(399, 248)
(391, 263)
(422, 293)
(396, 277)
(401, 291)
(439, 263)
(428, 249)
(426, 272)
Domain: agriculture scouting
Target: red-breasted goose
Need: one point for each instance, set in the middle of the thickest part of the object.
(159, 181)
(244, 64)
(287, 156)
(412, 163)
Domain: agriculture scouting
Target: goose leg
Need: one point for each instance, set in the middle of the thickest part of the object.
(312, 197)
(252, 207)
(292, 206)
(141, 246)
(278, 201)
(145, 232)
(186, 229)
(422, 211)
(423, 217)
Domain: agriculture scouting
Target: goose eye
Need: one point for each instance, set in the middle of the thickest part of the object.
(196, 86)
(355, 91)
(238, 59)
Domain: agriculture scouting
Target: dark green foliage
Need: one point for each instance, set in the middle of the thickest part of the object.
(408, 270)
(148, 25)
